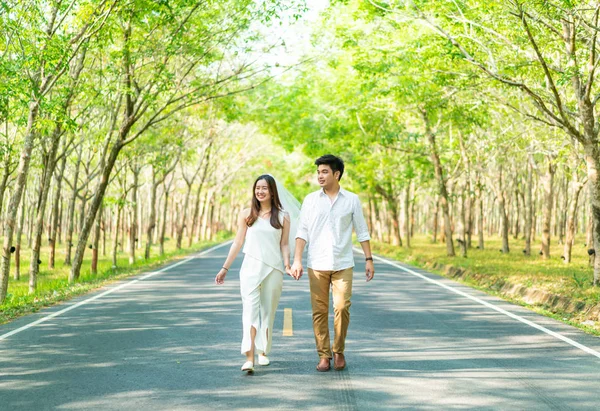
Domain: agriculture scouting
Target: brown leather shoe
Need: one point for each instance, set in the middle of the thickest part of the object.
(324, 365)
(339, 361)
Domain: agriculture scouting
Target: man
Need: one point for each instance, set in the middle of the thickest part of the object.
(325, 223)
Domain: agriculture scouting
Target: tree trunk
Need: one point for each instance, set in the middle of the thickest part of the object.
(133, 228)
(480, 243)
(196, 214)
(577, 186)
(412, 215)
(71, 209)
(548, 203)
(377, 222)
(183, 217)
(96, 201)
(590, 239)
(115, 247)
(152, 218)
(442, 230)
(503, 216)
(407, 214)
(589, 232)
(562, 227)
(490, 215)
(15, 200)
(163, 228)
(592, 159)
(30, 220)
(127, 228)
(140, 224)
(22, 213)
(439, 175)
(395, 215)
(435, 219)
(204, 214)
(173, 220)
(55, 211)
(462, 232)
(4, 181)
(212, 219)
(104, 237)
(217, 217)
(516, 227)
(122, 230)
(59, 229)
(96, 241)
(371, 217)
(468, 218)
(534, 215)
(528, 208)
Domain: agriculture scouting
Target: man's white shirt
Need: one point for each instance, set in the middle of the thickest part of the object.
(326, 226)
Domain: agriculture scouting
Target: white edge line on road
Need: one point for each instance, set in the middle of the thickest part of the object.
(489, 305)
(112, 290)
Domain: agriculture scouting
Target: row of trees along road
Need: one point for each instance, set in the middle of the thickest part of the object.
(107, 103)
(458, 119)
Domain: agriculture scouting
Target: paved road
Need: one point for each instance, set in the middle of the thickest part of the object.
(171, 341)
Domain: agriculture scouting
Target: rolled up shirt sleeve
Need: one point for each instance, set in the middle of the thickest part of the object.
(359, 222)
(302, 231)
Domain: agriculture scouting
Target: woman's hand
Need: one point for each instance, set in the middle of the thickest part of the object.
(220, 278)
(297, 269)
(288, 270)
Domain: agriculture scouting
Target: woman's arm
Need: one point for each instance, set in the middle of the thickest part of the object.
(285, 242)
(235, 248)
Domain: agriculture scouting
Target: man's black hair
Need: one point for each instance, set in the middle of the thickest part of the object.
(336, 163)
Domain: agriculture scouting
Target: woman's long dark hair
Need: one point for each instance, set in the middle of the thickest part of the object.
(275, 203)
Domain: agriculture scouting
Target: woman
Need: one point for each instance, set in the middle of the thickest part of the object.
(265, 228)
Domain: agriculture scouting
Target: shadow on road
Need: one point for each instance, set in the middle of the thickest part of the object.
(172, 342)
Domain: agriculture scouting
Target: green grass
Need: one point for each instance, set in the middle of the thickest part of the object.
(53, 285)
(572, 280)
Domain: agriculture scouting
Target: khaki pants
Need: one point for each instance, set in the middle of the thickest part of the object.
(341, 285)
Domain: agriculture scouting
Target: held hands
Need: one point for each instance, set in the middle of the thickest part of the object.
(296, 270)
(220, 278)
(370, 270)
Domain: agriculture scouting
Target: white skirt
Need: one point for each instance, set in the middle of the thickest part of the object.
(260, 287)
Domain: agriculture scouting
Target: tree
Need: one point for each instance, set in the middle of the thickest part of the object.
(44, 59)
(547, 51)
(158, 78)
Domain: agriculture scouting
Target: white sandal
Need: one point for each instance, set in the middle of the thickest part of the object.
(248, 366)
(263, 360)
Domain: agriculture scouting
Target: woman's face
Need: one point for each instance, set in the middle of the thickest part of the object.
(262, 192)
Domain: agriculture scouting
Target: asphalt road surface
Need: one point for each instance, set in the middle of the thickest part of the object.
(170, 340)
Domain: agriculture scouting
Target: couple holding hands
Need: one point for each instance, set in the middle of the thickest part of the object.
(269, 232)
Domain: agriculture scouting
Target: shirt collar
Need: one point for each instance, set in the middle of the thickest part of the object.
(342, 192)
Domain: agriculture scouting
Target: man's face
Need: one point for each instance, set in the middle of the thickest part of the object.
(326, 176)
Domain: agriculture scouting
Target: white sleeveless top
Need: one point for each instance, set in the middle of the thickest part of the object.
(263, 242)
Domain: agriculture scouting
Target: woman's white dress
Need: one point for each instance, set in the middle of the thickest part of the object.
(261, 281)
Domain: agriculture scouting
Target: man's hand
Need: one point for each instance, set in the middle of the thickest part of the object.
(297, 270)
(370, 271)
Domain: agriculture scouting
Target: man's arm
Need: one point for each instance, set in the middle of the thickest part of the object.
(301, 240)
(362, 234)
(297, 269)
(370, 269)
